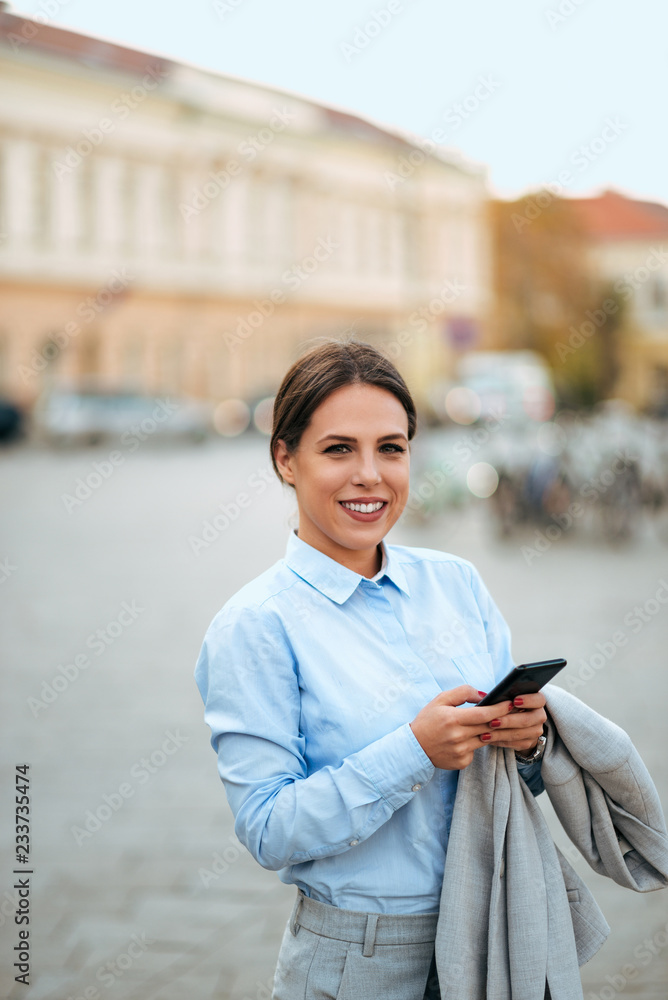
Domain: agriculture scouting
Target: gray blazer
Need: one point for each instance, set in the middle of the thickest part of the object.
(513, 913)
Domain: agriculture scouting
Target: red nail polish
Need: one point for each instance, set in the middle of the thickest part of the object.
(518, 701)
(486, 736)
(495, 723)
(482, 694)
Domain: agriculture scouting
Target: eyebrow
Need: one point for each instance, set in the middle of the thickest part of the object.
(343, 437)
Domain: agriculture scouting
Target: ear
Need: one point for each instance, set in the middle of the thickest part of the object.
(284, 461)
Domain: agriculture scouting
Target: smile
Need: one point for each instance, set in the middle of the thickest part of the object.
(363, 508)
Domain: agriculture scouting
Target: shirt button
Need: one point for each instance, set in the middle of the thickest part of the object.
(353, 843)
(416, 788)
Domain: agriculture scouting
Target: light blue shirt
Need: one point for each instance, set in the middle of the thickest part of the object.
(310, 675)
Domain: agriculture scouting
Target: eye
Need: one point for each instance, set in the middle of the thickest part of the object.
(334, 448)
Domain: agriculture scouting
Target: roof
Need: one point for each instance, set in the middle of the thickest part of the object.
(93, 52)
(613, 216)
(96, 53)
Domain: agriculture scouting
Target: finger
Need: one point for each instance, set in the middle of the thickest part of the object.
(536, 700)
(527, 743)
(459, 695)
(518, 720)
(481, 717)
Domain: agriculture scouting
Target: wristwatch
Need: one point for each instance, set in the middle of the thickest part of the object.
(536, 755)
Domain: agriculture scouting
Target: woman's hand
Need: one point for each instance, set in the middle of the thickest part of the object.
(520, 731)
(450, 735)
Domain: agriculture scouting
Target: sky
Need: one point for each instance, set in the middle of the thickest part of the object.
(570, 93)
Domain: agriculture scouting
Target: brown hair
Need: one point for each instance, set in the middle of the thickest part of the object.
(318, 373)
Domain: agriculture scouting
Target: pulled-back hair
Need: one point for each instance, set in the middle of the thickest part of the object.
(318, 373)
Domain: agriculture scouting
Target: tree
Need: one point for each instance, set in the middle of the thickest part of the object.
(549, 299)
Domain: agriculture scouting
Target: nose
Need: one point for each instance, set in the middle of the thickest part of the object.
(366, 472)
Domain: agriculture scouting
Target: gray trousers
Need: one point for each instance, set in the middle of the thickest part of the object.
(328, 953)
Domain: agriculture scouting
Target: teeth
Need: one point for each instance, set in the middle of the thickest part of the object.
(364, 508)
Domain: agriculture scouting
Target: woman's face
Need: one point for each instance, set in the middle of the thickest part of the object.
(354, 451)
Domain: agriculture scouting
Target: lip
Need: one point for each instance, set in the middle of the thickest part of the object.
(364, 500)
(374, 515)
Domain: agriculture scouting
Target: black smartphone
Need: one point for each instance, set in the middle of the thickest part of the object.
(525, 679)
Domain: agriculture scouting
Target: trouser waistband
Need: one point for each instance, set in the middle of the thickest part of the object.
(367, 929)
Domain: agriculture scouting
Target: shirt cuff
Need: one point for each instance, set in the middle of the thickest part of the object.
(531, 773)
(397, 765)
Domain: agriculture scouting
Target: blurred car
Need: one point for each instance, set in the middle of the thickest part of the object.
(12, 422)
(70, 417)
(512, 386)
(515, 384)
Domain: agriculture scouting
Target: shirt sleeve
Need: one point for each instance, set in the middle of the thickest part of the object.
(499, 647)
(532, 775)
(248, 680)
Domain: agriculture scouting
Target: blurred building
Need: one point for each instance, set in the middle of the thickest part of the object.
(628, 249)
(171, 229)
(584, 282)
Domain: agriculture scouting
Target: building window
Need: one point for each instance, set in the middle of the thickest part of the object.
(659, 294)
(128, 205)
(88, 356)
(171, 355)
(86, 203)
(43, 178)
(173, 203)
(133, 361)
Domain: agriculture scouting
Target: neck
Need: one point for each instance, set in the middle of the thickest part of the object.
(365, 563)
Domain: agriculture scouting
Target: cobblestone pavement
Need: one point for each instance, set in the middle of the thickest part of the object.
(140, 890)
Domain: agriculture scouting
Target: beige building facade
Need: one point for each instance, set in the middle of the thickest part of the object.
(628, 249)
(169, 229)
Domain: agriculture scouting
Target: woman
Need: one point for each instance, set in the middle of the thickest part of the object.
(336, 686)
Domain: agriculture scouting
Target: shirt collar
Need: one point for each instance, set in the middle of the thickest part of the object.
(330, 577)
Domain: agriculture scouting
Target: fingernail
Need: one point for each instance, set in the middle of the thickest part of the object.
(518, 701)
(482, 694)
(485, 737)
(495, 723)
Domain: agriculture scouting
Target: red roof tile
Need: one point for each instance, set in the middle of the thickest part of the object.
(612, 216)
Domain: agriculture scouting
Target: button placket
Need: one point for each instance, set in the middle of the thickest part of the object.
(418, 673)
